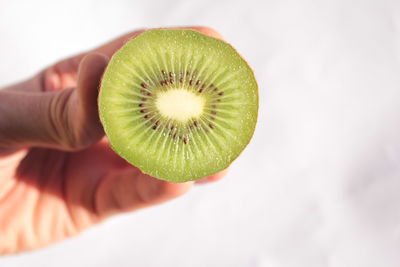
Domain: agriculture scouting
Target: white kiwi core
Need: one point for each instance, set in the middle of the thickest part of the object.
(180, 104)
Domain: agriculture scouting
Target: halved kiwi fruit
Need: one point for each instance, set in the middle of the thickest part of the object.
(177, 104)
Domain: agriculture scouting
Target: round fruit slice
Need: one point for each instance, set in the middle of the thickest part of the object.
(177, 104)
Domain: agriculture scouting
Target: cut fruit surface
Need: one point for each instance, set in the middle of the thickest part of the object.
(180, 104)
(177, 104)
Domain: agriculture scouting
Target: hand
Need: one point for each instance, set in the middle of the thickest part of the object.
(58, 174)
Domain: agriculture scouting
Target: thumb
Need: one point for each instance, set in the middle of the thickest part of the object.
(66, 119)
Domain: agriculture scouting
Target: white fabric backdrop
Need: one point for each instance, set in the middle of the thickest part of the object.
(318, 186)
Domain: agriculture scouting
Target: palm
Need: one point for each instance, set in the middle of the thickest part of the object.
(50, 194)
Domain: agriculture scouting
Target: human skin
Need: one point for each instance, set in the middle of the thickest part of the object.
(58, 175)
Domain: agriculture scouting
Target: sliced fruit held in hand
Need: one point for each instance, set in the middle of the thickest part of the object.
(177, 104)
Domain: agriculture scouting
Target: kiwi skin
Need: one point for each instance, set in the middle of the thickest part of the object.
(160, 172)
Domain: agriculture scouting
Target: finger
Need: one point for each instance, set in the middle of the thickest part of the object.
(130, 190)
(65, 119)
(213, 178)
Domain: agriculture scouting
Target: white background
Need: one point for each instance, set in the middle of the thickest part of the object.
(318, 186)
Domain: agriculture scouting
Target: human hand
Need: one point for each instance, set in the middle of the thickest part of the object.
(58, 173)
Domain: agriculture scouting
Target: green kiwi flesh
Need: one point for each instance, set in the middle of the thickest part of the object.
(177, 104)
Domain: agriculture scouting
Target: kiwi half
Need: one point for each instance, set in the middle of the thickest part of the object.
(177, 104)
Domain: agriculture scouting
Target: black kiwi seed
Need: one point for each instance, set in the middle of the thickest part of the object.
(171, 74)
(144, 85)
(141, 105)
(211, 125)
(202, 88)
(144, 110)
(185, 140)
(154, 127)
(190, 82)
(144, 99)
(214, 112)
(221, 93)
(195, 123)
(146, 116)
(171, 81)
(198, 82)
(163, 72)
